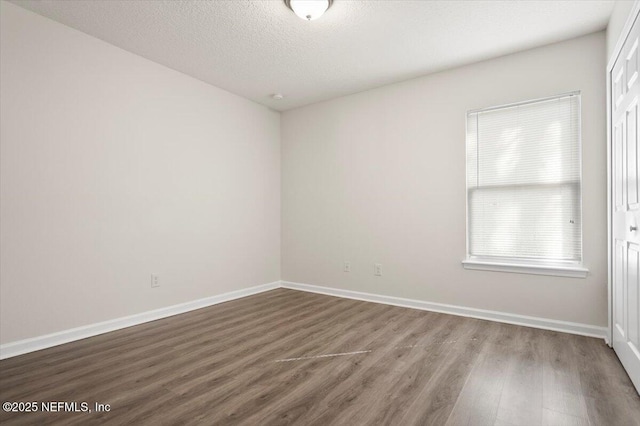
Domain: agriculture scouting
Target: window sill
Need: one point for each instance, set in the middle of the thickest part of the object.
(522, 268)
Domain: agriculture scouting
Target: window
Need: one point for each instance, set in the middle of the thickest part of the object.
(524, 204)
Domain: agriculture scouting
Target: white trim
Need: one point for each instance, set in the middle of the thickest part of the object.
(20, 347)
(527, 102)
(527, 321)
(635, 9)
(631, 18)
(609, 216)
(521, 268)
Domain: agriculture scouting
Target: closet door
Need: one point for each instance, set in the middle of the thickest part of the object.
(625, 91)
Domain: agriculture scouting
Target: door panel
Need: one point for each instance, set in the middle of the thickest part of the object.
(618, 88)
(632, 295)
(625, 214)
(618, 166)
(620, 255)
(632, 157)
(632, 65)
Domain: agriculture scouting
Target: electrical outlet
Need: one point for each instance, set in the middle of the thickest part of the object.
(347, 266)
(155, 280)
(377, 269)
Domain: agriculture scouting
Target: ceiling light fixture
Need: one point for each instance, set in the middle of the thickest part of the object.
(308, 9)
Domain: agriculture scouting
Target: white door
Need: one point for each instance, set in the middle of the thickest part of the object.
(625, 94)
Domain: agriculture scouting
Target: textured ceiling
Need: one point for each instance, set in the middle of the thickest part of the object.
(255, 48)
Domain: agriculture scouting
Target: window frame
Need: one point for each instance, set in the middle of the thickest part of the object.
(573, 269)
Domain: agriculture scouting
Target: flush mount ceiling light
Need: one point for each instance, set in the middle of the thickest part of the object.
(308, 9)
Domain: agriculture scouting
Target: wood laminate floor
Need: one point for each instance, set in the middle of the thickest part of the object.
(289, 357)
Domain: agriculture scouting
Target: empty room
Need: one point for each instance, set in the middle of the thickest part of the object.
(320, 212)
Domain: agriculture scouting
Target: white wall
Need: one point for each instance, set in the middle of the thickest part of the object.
(619, 15)
(114, 167)
(380, 177)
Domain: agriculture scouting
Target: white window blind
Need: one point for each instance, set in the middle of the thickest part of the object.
(524, 181)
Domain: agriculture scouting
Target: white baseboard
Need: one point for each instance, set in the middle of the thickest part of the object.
(535, 322)
(20, 347)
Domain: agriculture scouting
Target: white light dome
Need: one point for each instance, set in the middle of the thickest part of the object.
(309, 9)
